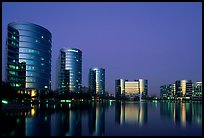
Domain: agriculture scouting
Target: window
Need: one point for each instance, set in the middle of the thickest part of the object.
(12, 72)
(12, 66)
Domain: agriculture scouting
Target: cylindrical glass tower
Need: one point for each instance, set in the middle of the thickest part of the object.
(29, 57)
(97, 81)
(70, 70)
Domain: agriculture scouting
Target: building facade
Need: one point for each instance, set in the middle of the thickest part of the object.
(97, 81)
(131, 89)
(119, 88)
(197, 90)
(183, 88)
(167, 91)
(69, 70)
(143, 88)
(28, 57)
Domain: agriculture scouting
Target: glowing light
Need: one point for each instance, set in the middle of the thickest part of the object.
(4, 102)
(71, 50)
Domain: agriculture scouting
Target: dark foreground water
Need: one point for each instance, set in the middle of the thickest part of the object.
(107, 118)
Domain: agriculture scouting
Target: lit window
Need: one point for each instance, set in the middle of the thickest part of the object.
(12, 66)
(12, 72)
(36, 41)
(42, 37)
(45, 87)
(42, 64)
(18, 85)
(42, 58)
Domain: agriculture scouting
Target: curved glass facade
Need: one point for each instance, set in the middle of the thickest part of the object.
(29, 56)
(97, 81)
(143, 87)
(70, 70)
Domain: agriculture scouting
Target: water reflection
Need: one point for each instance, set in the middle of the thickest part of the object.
(131, 113)
(182, 113)
(67, 119)
(96, 117)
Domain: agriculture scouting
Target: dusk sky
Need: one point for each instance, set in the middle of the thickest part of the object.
(160, 42)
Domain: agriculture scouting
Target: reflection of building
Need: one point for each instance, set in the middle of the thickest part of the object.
(131, 89)
(74, 123)
(167, 91)
(197, 90)
(28, 57)
(97, 81)
(37, 126)
(197, 113)
(131, 113)
(59, 124)
(181, 113)
(183, 88)
(69, 70)
(97, 120)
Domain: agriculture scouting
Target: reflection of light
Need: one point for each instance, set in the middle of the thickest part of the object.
(183, 115)
(45, 118)
(4, 102)
(174, 113)
(141, 116)
(32, 112)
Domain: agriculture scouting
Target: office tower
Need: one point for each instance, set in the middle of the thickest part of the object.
(119, 88)
(183, 88)
(167, 91)
(28, 57)
(197, 90)
(69, 70)
(97, 81)
(143, 87)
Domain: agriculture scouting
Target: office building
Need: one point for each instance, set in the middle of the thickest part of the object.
(119, 88)
(97, 81)
(131, 89)
(183, 88)
(69, 70)
(28, 57)
(197, 90)
(167, 91)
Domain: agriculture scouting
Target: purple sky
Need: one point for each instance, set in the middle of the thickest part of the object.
(160, 42)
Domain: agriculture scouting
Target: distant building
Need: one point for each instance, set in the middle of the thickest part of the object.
(97, 81)
(197, 90)
(183, 88)
(131, 89)
(28, 58)
(143, 87)
(167, 91)
(119, 88)
(69, 71)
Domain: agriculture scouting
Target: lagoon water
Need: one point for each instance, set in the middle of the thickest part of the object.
(108, 118)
